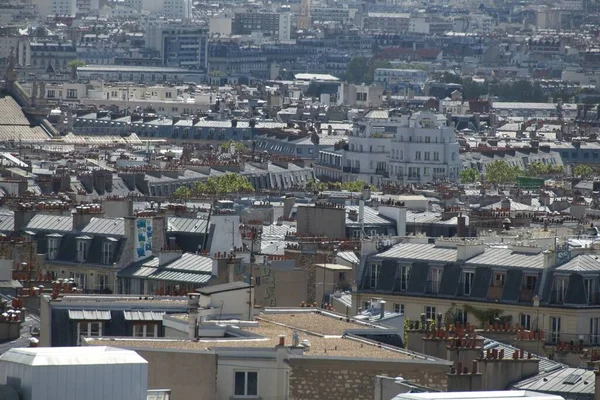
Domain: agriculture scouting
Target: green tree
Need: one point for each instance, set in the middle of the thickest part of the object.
(228, 183)
(182, 192)
(500, 172)
(76, 63)
(239, 146)
(362, 69)
(584, 171)
(469, 175)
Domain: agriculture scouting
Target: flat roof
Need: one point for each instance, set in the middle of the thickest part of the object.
(334, 267)
(225, 287)
(325, 332)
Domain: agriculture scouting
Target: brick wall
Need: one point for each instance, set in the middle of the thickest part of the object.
(333, 379)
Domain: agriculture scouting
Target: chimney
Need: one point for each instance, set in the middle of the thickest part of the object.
(167, 256)
(193, 314)
(366, 193)
(82, 215)
(381, 309)
(288, 205)
(461, 225)
(353, 215)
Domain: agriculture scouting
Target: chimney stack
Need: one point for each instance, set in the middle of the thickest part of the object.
(381, 309)
(193, 314)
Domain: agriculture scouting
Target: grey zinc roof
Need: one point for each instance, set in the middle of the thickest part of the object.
(420, 251)
(545, 365)
(55, 223)
(187, 225)
(554, 382)
(371, 217)
(105, 226)
(187, 262)
(506, 257)
(7, 222)
(584, 262)
(176, 276)
(349, 256)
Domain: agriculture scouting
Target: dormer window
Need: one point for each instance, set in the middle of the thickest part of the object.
(83, 244)
(108, 250)
(53, 241)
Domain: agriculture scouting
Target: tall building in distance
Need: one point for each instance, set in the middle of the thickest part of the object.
(276, 26)
(179, 46)
(304, 19)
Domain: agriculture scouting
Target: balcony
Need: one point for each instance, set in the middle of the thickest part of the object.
(350, 170)
(526, 295)
(495, 292)
(382, 172)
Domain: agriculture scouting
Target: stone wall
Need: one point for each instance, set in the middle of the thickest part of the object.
(332, 379)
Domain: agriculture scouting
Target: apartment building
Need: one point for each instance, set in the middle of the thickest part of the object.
(539, 285)
(399, 147)
(386, 22)
(179, 46)
(277, 26)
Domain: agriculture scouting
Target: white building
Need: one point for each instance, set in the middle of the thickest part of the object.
(73, 373)
(64, 7)
(425, 150)
(393, 76)
(285, 27)
(400, 147)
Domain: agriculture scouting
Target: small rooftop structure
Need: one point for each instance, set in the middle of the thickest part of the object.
(500, 395)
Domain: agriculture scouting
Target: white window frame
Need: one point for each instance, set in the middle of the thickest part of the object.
(404, 276)
(145, 330)
(555, 329)
(52, 248)
(246, 395)
(468, 278)
(589, 285)
(436, 279)
(525, 321)
(374, 274)
(87, 329)
(107, 252)
(430, 312)
(399, 308)
(81, 250)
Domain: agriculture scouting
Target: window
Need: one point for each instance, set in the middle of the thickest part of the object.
(427, 155)
(81, 250)
(436, 278)
(436, 156)
(418, 155)
(404, 275)
(107, 252)
(88, 329)
(589, 285)
(246, 384)
(52, 248)
(525, 321)
(461, 316)
(530, 282)
(427, 139)
(430, 312)
(375, 271)
(145, 330)
(555, 329)
(594, 331)
(468, 282)
(168, 95)
(51, 93)
(499, 279)
(560, 289)
(399, 308)
(71, 93)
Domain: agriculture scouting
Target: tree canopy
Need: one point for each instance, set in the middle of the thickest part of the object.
(584, 171)
(76, 63)
(182, 193)
(354, 186)
(239, 146)
(228, 183)
(469, 175)
(500, 171)
(362, 69)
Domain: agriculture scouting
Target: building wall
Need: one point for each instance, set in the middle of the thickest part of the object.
(330, 222)
(189, 375)
(315, 379)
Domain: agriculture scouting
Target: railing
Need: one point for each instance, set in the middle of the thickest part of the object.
(495, 292)
(351, 170)
(382, 172)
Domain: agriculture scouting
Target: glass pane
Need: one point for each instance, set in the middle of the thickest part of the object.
(94, 329)
(252, 384)
(240, 383)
